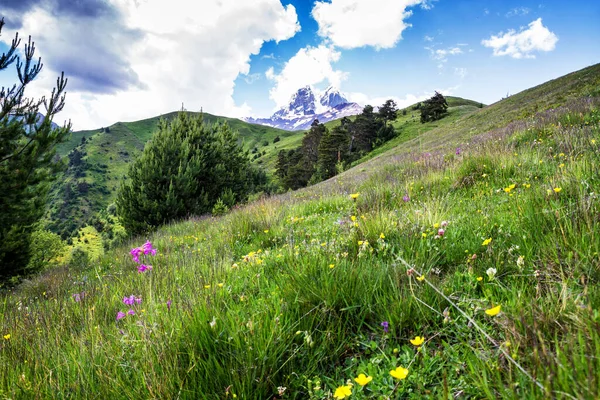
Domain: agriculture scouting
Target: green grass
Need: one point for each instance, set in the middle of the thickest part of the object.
(290, 292)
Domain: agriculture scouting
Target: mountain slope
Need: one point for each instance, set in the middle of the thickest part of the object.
(468, 275)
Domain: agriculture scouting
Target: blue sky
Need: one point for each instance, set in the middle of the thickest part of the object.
(126, 61)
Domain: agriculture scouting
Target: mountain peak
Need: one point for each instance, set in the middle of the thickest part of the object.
(303, 109)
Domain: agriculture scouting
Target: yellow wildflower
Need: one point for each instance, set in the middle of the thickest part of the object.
(493, 311)
(360, 242)
(421, 278)
(342, 392)
(354, 196)
(353, 218)
(479, 278)
(417, 341)
(362, 379)
(399, 373)
(557, 190)
(220, 284)
(206, 286)
(331, 266)
(7, 336)
(486, 242)
(381, 236)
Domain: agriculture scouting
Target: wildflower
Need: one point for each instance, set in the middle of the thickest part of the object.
(7, 336)
(362, 379)
(266, 231)
(491, 273)
(130, 312)
(360, 242)
(331, 266)
(136, 252)
(353, 218)
(406, 199)
(441, 232)
(381, 236)
(386, 326)
(486, 242)
(527, 185)
(147, 248)
(457, 152)
(213, 323)
(493, 311)
(520, 261)
(354, 196)
(479, 278)
(421, 278)
(557, 190)
(444, 224)
(143, 268)
(220, 284)
(169, 305)
(342, 392)
(206, 286)
(417, 341)
(436, 225)
(399, 373)
(120, 315)
(424, 235)
(77, 297)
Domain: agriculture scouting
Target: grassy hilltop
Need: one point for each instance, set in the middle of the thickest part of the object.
(480, 236)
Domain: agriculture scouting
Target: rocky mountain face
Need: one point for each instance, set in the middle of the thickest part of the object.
(304, 107)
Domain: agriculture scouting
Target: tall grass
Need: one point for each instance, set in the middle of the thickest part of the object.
(285, 297)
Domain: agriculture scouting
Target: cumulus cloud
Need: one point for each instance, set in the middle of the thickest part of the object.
(523, 43)
(131, 60)
(309, 66)
(356, 23)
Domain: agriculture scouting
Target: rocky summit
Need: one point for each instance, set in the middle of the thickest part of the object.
(303, 108)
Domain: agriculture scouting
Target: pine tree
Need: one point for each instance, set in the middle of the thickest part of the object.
(332, 150)
(27, 148)
(184, 170)
(434, 108)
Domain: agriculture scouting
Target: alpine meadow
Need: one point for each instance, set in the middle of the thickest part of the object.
(422, 234)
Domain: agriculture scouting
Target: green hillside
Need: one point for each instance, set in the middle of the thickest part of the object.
(465, 264)
(89, 188)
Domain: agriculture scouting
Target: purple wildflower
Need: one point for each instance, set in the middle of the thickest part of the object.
(136, 252)
(120, 315)
(144, 268)
(458, 151)
(441, 232)
(168, 305)
(77, 297)
(128, 300)
(130, 312)
(386, 326)
(406, 199)
(138, 300)
(147, 248)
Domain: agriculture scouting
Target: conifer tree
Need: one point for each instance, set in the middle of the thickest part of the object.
(184, 170)
(27, 148)
(332, 150)
(434, 108)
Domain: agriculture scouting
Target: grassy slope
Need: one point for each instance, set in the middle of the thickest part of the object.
(291, 291)
(125, 140)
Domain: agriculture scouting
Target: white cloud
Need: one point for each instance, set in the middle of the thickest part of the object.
(402, 102)
(356, 23)
(517, 12)
(523, 43)
(186, 51)
(441, 55)
(310, 66)
(428, 38)
(462, 72)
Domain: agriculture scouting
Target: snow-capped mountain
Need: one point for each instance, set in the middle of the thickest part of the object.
(304, 108)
